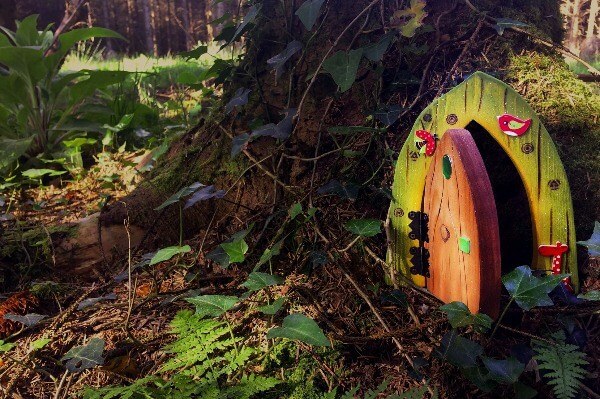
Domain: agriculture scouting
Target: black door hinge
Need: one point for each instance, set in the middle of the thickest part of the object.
(419, 230)
(420, 261)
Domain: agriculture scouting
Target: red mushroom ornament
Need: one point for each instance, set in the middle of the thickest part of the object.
(556, 251)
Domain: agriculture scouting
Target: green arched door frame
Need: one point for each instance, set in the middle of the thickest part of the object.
(482, 98)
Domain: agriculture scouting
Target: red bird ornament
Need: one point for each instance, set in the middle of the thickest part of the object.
(427, 143)
(512, 125)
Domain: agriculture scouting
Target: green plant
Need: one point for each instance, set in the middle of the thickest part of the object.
(563, 362)
(205, 362)
(38, 105)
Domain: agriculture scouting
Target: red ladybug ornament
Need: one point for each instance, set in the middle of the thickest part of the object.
(428, 140)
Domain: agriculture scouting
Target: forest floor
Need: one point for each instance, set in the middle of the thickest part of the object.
(386, 339)
(376, 328)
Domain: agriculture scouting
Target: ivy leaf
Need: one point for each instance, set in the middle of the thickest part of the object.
(84, 357)
(6, 346)
(593, 243)
(270, 253)
(239, 98)
(280, 131)
(195, 53)
(239, 144)
(458, 350)
(278, 62)
(38, 173)
(395, 297)
(364, 227)
(273, 307)
(92, 301)
(529, 291)
(309, 11)
(169, 252)
(459, 315)
(590, 296)
(503, 23)
(318, 258)
(235, 250)
(343, 66)
(299, 327)
(257, 281)
(375, 51)
(523, 391)
(220, 256)
(39, 344)
(388, 114)
(415, 14)
(184, 192)
(295, 210)
(204, 194)
(349, 191)
(505, 371)
(28, 320)
(213, 305)
(249, 18)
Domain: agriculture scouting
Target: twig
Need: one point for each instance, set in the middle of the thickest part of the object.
(64, 24)
(257, 163)
(382, 322)
(461, 56)
(335, 43)
(60, 385)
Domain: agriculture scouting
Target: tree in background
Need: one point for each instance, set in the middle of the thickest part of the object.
(582, 21)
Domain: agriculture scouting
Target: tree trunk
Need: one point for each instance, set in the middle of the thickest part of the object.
(575, 25)
(592, 19)
(182, 14)
(269, 176)
(148, 31)
(106, 23)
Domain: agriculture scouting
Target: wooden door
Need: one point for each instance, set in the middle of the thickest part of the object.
(464, 242)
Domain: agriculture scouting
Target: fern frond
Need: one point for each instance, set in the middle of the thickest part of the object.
(251, 385)
(564, 363)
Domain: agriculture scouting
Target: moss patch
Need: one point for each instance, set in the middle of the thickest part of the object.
(570, 110)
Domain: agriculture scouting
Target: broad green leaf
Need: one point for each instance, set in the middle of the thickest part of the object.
(169, 252)
(309, 11)
(6, 346)
(274, 307)
(278, 62)
(96, 80)
(83, 357)
(523, 391)
(529, 291)
(375, 51)
(236, 250)
(459, 315)
(92, 301)
(249, 18)
(67, 40)
(590, 296)
(195, 53)
(411, 18)
(11, 150)
(79, 142)
(257, 281)
(388, 114)
(503, 23)
(122, 125)
(184, 192)
(458, 350)
(505, 371)
(295, 210)
(364, 227)
(39, 344)
(342, 66)
(299, 327)
(239, 98)
(593, 243)
(240, 142)
(348, 190)
(38, 173)
(395, 297)
(212, 305)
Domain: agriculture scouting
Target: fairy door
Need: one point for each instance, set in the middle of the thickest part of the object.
(464, 242)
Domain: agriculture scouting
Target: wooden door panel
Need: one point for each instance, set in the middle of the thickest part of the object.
(464, 242)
